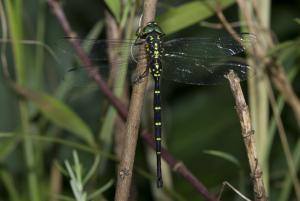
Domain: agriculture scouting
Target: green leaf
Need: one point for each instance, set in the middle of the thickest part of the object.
(225, 156)
(57, 112)
(115, 7)
(76, 178)
(188, 14)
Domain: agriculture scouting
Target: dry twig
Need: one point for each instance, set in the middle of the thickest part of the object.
(248, 136)
(133, 119)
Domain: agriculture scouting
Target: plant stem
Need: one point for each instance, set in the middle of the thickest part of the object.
(14, 11)
(133, 119)
(248, 136)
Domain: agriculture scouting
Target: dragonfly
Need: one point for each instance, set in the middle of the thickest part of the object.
(196, 61)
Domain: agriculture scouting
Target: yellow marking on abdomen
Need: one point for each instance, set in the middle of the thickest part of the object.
(157, 123)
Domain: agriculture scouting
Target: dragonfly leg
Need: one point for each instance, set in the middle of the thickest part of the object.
(139, 41)
(140, 77)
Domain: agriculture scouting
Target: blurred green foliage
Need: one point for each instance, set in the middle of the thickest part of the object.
(54, 118)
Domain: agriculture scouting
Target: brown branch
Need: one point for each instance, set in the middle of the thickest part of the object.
(280, 80)
(224, 21)
(122, 110)
(248, 136)
(134, 118)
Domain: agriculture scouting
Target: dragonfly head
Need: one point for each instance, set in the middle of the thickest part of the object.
(151, 27)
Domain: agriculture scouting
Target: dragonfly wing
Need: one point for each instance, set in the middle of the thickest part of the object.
(123, 62)
(209, 47)
(78, 78)
(202, 71)
(97, 50)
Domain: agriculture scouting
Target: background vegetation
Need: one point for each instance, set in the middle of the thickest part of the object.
(48, 117)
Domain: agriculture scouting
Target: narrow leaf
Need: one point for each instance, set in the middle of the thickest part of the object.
(225, 156)
(57, 112)
(188, 14)
(115, 7)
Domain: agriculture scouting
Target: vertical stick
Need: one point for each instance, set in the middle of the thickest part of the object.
(248, 136)
(133, 120)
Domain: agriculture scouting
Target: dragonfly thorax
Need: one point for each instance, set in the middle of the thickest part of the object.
(154, 50)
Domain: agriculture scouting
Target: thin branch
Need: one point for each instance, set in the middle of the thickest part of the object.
(58, 12)
(134, 118)
(224, 21)
(248, 136)
(283, 85)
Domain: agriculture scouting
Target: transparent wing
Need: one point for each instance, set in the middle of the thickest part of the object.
(202, 61)
(206, 48)
(97, 50)
(202, 71)
(188, 60)
(122, 60)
